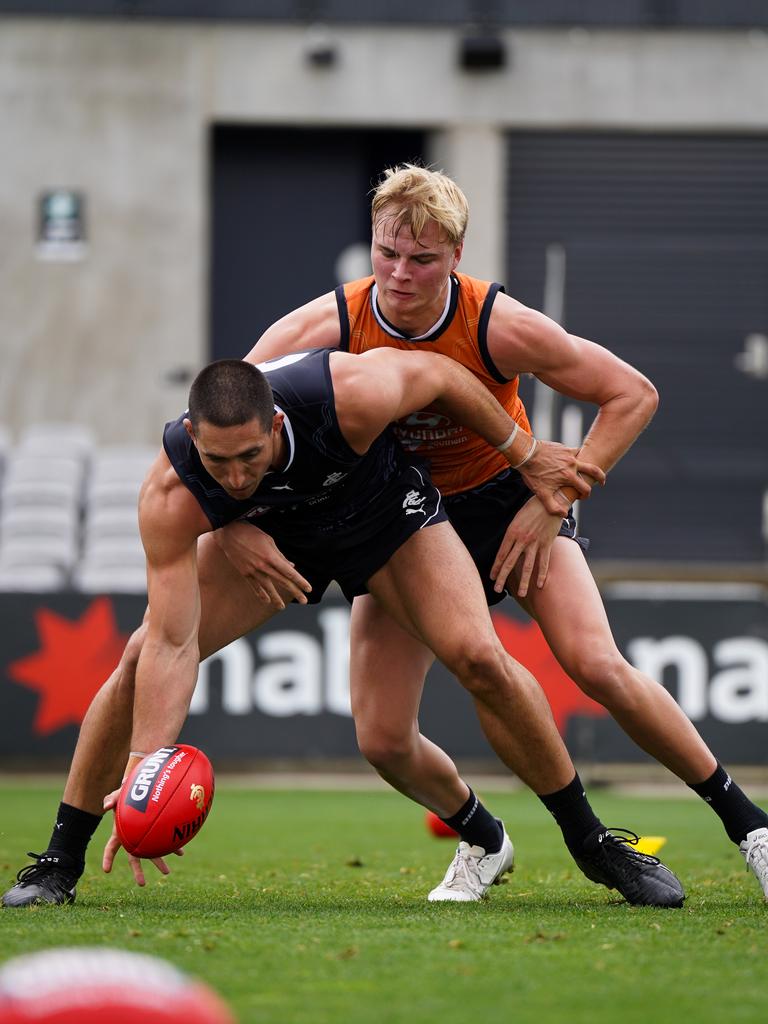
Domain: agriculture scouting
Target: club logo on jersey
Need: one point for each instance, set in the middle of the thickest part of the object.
(333, 478)
(427, 419)
(414, 502)
(432, 431)
(258, 511)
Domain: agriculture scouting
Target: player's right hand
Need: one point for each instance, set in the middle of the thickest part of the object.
(526, 547)
(256, 557)
(113, 845)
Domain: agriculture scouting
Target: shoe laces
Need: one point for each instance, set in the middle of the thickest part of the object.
(43, 867)
(617, 848)
(756, 856)
(465, 869)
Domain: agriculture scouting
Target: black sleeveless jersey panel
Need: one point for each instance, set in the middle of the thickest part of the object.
(324, 482)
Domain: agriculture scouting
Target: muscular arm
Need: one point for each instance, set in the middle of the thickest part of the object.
(170, 521)
(315, 325)
(383, 385)
(523, 340)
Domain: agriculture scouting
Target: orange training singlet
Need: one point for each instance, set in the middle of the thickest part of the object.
(459, 459)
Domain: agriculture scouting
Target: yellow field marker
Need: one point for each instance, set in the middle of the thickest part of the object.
(650, 844)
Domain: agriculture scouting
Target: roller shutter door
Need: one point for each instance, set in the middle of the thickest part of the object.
(657, 247)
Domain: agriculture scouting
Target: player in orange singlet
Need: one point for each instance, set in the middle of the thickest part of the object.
(464, 459)
(417, 300)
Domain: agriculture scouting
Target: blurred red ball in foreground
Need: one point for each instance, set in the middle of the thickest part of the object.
(164, 801)
(438, 827)
(103, 986)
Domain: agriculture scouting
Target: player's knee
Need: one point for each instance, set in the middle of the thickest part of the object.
(384, 749)
(605, 676)
(479, 663)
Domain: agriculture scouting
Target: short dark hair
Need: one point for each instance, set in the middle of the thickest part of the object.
(231, 392)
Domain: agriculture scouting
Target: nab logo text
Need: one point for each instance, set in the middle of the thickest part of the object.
(291, 672)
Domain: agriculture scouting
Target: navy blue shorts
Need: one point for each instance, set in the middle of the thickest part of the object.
(352, 550)
(481, 517)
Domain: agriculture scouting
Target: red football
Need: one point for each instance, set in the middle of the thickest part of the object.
(86, 985)
(164, 801)
(438, 827)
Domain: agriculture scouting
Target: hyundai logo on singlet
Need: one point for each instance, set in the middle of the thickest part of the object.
(142, 784)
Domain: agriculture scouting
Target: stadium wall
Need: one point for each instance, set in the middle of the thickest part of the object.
(121, 111)
(281, 695)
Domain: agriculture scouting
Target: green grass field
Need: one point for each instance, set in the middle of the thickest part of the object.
(309, 907)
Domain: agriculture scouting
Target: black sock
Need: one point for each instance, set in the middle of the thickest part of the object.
(572, 812)
(731, 804)
(72, 833)
(476, 825)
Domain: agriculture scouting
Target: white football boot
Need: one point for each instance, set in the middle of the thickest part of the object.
(472, 872)
(754, 849)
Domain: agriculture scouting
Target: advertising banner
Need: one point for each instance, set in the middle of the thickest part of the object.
(281, 694)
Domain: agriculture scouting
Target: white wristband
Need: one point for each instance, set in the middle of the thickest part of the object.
(510, 440)
(531, 450)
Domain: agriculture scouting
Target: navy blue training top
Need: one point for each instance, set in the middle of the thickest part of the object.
(324, 481)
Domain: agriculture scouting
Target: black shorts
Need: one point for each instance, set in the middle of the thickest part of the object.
(481, 517)
(350, 551)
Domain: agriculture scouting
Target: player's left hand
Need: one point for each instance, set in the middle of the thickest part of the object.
(257, 557)
(529, 538)
(113, 845)
(553, 465)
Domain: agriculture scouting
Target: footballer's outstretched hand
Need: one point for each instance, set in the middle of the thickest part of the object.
(113, 845)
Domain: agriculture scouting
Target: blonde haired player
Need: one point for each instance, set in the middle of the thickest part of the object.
(416, 299)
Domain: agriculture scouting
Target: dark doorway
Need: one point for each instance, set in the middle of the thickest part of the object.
(290, 218)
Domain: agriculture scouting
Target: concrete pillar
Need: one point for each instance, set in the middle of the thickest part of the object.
(474, 156)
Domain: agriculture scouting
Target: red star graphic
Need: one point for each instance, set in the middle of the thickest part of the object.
(525, 643)
(74, 659)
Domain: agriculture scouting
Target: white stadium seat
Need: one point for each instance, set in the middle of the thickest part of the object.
(33, 467)
(32, 579)
(57, 439)
(69, 511)
(17, 552)
(113, 493)
(39, 521)
(5, 446)
(31, 493)
(122, 461)
(111, 521)
(114, 551)
(93, 579)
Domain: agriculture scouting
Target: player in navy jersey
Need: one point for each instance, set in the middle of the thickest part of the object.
(362, 508)
(311, 456)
